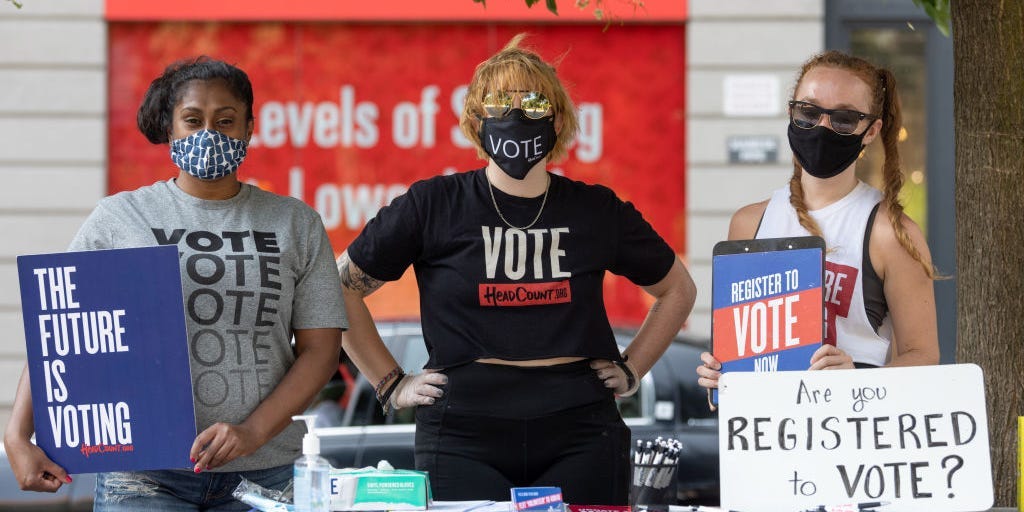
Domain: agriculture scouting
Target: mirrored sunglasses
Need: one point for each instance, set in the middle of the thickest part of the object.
(534, 104)
(808, 115)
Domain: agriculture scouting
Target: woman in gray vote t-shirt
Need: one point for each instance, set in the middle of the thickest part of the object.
(279, 281)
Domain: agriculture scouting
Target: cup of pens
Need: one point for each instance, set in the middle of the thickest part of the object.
(654, 474)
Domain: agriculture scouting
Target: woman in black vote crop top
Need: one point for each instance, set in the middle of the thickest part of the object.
(510, 259)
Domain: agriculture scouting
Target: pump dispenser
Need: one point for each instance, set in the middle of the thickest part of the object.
(312, 473)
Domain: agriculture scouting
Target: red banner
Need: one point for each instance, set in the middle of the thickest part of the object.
(445, 11)
(349, 115)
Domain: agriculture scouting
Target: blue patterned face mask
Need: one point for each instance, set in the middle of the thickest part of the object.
(208, 154)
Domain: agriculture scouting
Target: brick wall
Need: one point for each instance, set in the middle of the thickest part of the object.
(53, 131)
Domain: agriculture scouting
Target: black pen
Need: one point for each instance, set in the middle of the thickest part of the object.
(871, 504)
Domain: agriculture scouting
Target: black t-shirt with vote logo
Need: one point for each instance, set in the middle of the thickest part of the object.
(488, 290)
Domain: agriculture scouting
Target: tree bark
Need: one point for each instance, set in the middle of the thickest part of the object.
(988, 89)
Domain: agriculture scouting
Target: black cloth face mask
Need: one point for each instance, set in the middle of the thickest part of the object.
(822, 152)
(515, 142)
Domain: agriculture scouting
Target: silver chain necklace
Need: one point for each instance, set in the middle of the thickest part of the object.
(494, 201)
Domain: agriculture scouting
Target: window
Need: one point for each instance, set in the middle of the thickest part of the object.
(903, 51)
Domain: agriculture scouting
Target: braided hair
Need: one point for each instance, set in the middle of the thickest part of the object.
(885, 103)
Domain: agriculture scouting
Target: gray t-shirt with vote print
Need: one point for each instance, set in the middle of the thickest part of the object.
(254, 268)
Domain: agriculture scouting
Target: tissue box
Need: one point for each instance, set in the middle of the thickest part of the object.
(374, 489)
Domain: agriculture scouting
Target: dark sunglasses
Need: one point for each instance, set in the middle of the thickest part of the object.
(534, 104)
(808, 115)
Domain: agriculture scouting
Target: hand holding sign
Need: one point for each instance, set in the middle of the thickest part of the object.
(32, 468)
(709, 371)
(830, 357)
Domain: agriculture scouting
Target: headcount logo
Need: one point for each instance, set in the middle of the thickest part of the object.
(524, 294)
(521, 254)
(67, 330)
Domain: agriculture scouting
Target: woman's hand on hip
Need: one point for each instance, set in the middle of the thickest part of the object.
(420, 389)
(615, 376)
(221, 443)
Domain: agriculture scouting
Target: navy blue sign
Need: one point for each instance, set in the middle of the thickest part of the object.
(108, 358)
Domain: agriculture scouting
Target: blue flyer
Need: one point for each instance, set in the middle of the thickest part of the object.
(108, 358)
(537, 499)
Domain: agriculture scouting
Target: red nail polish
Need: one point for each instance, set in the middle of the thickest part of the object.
(193, 459)
(67, 479)
(197, 470)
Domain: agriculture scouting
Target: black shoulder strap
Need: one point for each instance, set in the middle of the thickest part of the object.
(866, 257)
(759, 221)
(872, 288)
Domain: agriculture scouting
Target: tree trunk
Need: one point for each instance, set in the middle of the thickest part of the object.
(988, 89)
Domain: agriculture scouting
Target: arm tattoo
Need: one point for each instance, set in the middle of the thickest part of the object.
(353, 277)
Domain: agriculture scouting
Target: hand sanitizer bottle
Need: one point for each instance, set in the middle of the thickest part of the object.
(312, 473)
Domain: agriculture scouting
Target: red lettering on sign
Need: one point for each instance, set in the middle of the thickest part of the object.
(840, 281)
(526, 294)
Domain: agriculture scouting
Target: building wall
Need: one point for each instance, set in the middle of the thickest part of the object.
(736, 38)
(53, 145)
(53, 130)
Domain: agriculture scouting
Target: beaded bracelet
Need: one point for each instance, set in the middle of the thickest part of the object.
(384, 380)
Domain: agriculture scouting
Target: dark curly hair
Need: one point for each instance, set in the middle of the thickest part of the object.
(155, 113)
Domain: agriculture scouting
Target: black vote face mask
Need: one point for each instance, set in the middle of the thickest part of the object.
(822, 152)
(515, 142)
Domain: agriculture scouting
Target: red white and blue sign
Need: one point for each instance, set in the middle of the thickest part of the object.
(108, 358)
(768, 307)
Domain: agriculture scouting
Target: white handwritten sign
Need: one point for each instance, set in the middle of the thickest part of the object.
(915, 439)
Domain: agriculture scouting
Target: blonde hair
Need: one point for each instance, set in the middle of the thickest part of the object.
(515, 67)
(885, 103)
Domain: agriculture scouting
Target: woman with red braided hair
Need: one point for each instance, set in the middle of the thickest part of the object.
(879, 301)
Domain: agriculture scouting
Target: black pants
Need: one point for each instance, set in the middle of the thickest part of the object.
(499, 427)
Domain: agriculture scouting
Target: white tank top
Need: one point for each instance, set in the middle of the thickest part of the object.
(843, 225)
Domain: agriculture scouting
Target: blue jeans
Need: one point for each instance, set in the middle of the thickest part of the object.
(180, 490)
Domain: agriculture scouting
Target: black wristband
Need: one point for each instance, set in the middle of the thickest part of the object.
(630, 378)
(386, 397)
(391, 389)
